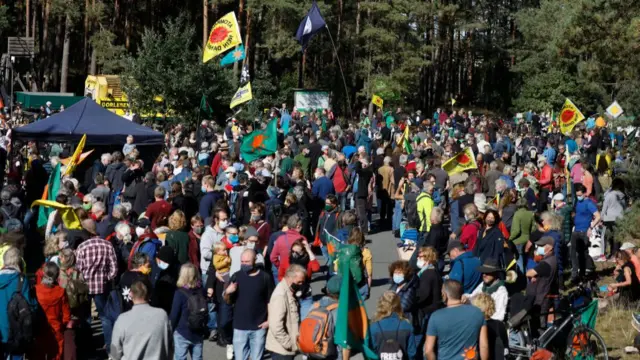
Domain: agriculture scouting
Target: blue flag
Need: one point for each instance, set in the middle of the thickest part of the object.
(310, 25)
(234, 55)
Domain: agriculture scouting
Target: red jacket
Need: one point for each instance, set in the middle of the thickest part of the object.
(312, 267)
(264, 232)
(469, 234)
(545, 177)
(282, 246)
(50, 338)
(215, 165)
(194, 249)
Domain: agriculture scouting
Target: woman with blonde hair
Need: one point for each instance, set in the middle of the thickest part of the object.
(496, 331)
(177, 237)
(390, 324)
(187, 340)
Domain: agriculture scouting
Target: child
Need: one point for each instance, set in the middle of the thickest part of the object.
(221, 261)
(409, 237)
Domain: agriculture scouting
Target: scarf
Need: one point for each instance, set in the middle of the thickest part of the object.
(492, 288)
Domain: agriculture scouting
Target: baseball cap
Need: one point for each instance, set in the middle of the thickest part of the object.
(143, 222)
(334, 284)
(627, 246)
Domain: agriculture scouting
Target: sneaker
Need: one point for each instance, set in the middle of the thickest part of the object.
(213, 337)
(229, 352)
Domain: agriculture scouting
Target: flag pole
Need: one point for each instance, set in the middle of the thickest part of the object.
(344, 82)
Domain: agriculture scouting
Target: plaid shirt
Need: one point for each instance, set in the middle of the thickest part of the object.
(96, 259)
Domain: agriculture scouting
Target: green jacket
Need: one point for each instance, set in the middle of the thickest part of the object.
(565, 213)
(304, 162)
(425, 204)
(179, 242)
(522, 226)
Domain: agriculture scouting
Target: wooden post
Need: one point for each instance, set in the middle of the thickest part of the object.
(205, 22)
(27, 18)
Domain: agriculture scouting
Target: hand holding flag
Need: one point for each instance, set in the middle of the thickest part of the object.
(569, 117)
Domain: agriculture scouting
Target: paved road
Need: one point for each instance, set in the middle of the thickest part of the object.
(383, 250)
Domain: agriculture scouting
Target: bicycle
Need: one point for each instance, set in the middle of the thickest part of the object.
(567, 338)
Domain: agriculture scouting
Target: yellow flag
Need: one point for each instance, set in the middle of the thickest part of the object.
(76, 158)
(83, 156)
(241, 96)
(453, 101)
(377, 101)
(69, 217)
(224, 35)
(569, 117)
(464, 160)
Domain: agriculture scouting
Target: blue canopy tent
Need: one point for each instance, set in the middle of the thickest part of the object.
(86, 117)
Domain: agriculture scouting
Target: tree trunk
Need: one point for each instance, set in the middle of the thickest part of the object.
(205, 22)
(340, 8)
(86, 32)
(247, 41)
(27, 16)
(64, 68)
(240, 13)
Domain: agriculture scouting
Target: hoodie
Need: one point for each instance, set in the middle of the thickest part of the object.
(613, 205)
(8, 285)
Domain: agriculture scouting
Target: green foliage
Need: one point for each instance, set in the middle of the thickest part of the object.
(4, 19)
(169, 65)
(109, 56)
(582, 49)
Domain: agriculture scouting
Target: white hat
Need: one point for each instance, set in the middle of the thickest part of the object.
(230, 169)
(627, 246)
(558, 197)
(48, 103)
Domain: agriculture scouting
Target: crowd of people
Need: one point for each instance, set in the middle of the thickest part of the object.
(201, 245)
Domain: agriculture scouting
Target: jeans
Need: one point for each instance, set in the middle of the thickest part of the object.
(521, 262)
(10, 356)
(342, 201)
(397, 216)
(274, 272)
(212, 324)
(249, 342)
(107, 327)
(182, 347)
(580, 259)
(225, 321)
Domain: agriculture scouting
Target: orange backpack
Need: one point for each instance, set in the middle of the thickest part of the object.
(315, 337)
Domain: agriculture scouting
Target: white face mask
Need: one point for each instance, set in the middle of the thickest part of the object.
(421, 263)
(139, 231)
(251, 245)
(223, 224)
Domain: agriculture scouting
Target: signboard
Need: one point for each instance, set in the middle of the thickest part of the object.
(306, 101)
(615, 110)
(111, 104)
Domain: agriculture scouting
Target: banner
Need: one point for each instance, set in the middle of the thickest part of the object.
(233, 56)
(377, 101)
(224, 35)
(464, 160)
(241, 96)
(50, 193)
(260, 142)
(67, 214)
(569, 117)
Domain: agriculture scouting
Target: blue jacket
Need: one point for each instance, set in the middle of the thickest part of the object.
(149, 246)
(454, 214)
(180, 315)
(386, 328)
(8, 286)
(510, 183)
(183, 176)
(407, 295)
(343, 233)
(207, 203)
(322, 187)
(550, 154)
(463, 270)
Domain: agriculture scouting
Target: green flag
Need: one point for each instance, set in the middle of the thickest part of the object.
(205, 107)
(50, 193)
(352, 325)
(260, 142)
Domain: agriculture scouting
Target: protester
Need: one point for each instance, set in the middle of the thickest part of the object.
(389, 324)
(493, 286)
(187, 337)
(463, 267)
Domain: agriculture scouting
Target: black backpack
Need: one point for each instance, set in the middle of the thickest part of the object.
(390, 349)
(411, 210)
(21, 321)
(198, 311)
(275, 209)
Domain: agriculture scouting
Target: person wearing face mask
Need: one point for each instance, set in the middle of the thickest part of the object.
(213, 233)
(197, 228)
(147, 241)
(404, 285)
(522, 225)
(544, 276)
(248, 239)
(586, 218)
(429, 289)
(491, 241)
(284, 317)
(301, 254)
(257, 221)
(99, 212)
(491, 285)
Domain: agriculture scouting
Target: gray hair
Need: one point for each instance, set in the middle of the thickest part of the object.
(387, 160)
(294, 270)
(493, 165)
(470, 210)
(106, 157)
(294, 222)
(13, 259)
(139, 259)
(98, 206)
(428, 186)
(437, 213)
(507, 170)
(501, 183)
(123, 232)
(403, 159)
(120, 210)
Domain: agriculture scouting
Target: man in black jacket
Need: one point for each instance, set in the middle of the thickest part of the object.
(364, 173)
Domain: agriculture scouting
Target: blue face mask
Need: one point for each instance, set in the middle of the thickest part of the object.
(203, 189)
(163, 266)
(580, 198)
(540, 251)
(233, 238)
(398, 279)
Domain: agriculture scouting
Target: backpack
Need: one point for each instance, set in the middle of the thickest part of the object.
(113, 307)
(411, 210)
(77, 290)
(198, 311)
(274, 213)
(21, 321)
(315, 337)
(390, 349)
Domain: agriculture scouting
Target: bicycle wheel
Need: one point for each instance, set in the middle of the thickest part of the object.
(586, 344)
